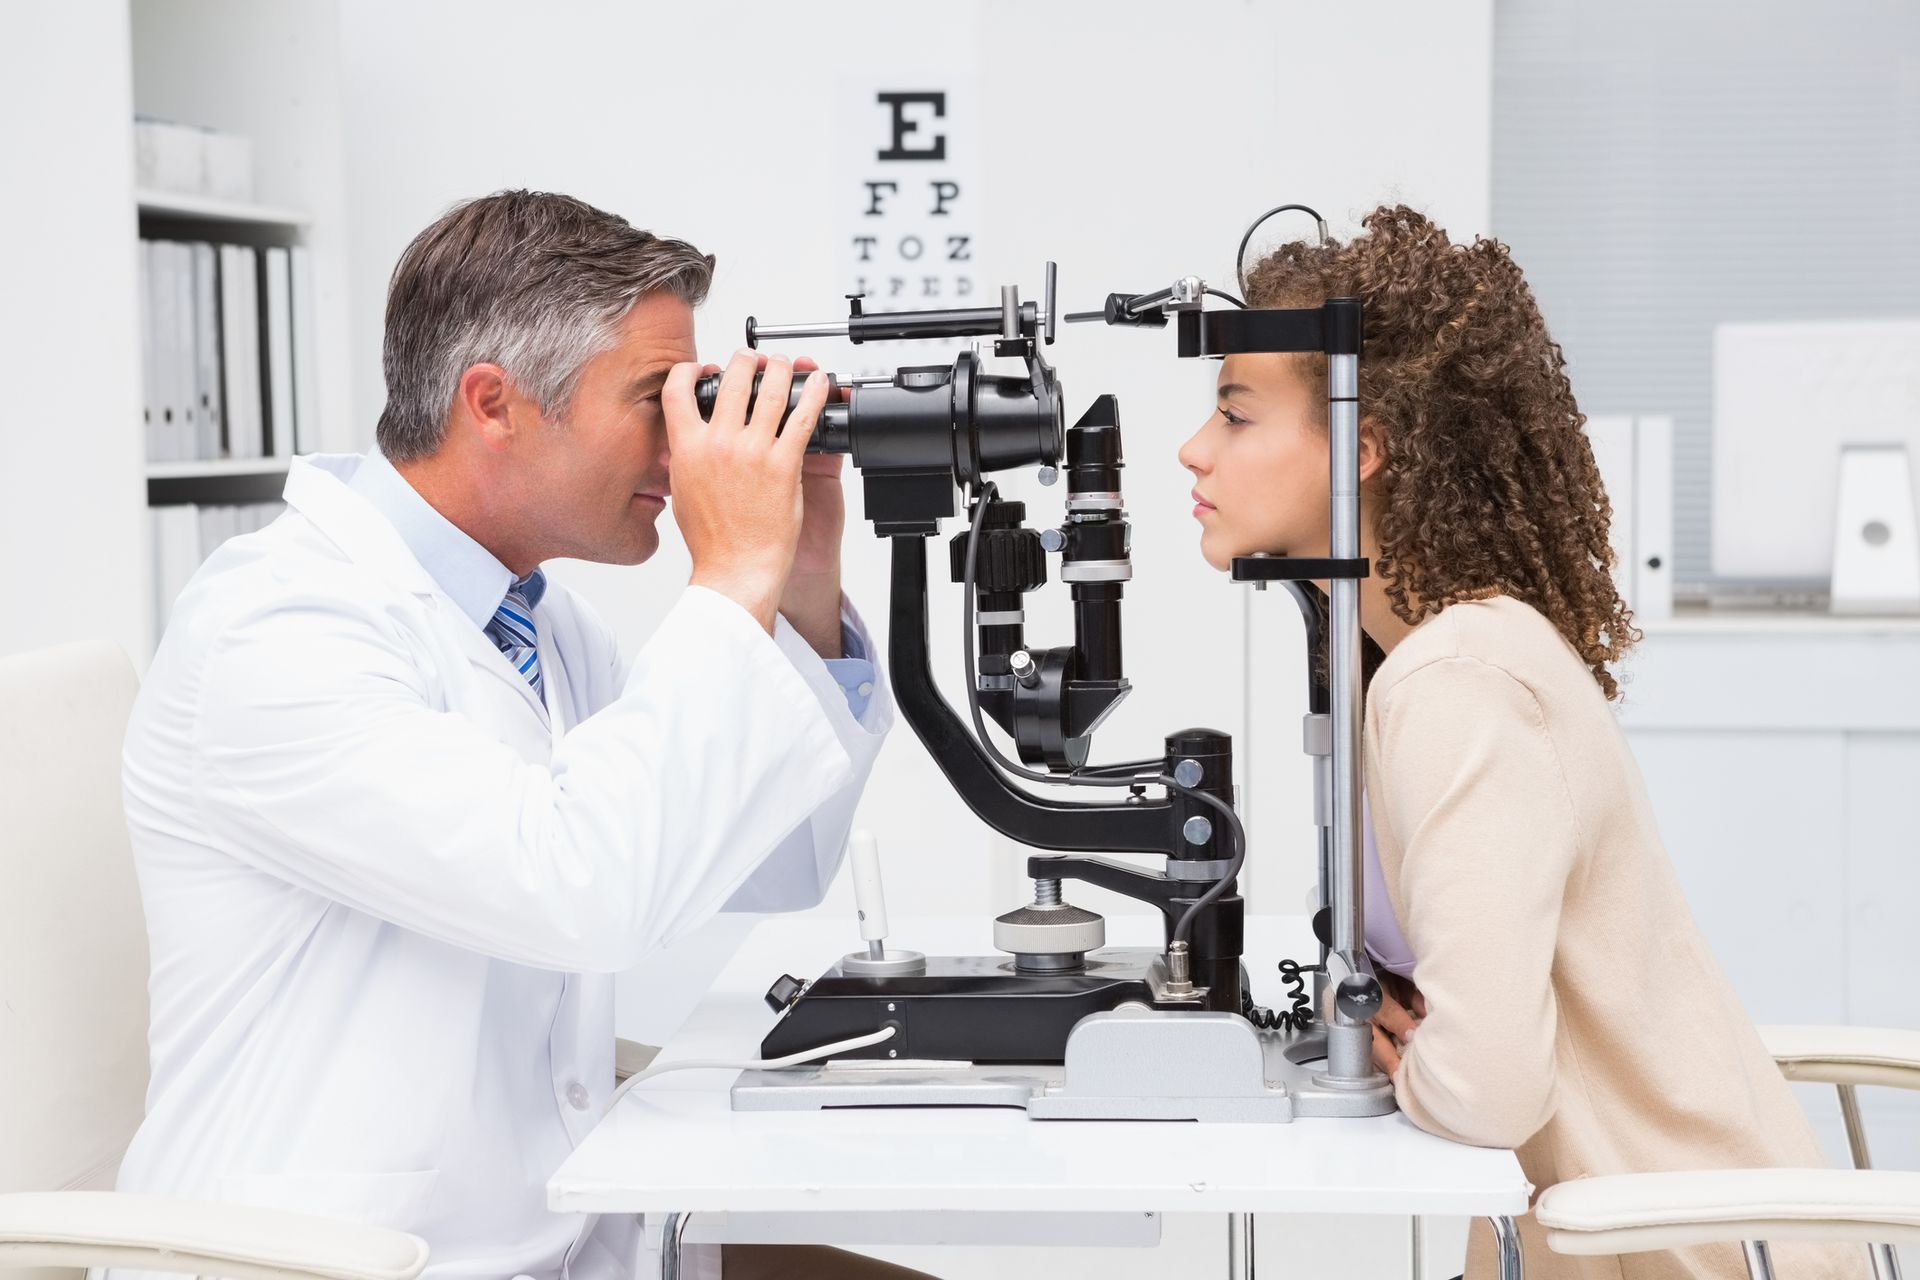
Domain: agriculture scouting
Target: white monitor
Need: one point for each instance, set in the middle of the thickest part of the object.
(1786, 398)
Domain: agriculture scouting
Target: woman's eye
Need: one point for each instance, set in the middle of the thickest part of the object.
(1233, 419)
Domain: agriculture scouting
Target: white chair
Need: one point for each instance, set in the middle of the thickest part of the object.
(73, 1015)
(1636, 1212)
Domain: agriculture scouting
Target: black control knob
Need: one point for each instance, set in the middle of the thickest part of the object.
(1323, 926)
(1009, 557)
(784, 991)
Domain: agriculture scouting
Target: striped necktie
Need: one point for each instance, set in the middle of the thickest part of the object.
(512, 626)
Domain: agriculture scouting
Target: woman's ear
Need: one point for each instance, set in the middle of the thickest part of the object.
(1373, 449)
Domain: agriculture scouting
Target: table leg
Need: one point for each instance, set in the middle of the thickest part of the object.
(676, 1227)
(1416, 1249)
(1507, 1237)
(1239, 1246)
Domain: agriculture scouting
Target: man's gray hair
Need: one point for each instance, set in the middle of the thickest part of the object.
(533, 282)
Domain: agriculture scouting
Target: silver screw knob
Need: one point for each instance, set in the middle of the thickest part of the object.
(1052, 540)
(1049, 475)
(1024, 669)
(1197, 829)
(1187, 773)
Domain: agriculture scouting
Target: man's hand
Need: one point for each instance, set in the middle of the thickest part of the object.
(812, 598)
(1402, 1008)
(736, 484)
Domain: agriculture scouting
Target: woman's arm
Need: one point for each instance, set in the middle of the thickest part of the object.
(1475, 798)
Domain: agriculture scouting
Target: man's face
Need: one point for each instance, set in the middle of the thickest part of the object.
(597, 478)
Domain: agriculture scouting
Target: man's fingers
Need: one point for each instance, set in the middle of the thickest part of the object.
(799, 428)
(770, 402)
(1385, 1055)
(736, 387)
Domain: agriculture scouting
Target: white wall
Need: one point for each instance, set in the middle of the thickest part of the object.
(1131, 142)
(73, 523)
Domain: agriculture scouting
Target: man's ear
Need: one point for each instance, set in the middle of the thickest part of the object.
(1373, 449)
(483, 400)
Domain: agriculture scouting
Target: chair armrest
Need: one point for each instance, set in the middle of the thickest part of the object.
(1846, 1055)
(197, 1237)
(1636, 1212)
(630, 1057)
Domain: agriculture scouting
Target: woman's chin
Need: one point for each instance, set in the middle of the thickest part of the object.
(1213, 555)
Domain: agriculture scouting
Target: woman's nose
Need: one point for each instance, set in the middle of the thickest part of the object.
(1192, 456)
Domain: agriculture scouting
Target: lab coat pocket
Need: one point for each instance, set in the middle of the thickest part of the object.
(396, 1200)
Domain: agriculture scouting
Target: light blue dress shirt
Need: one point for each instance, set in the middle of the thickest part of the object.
(477, 583)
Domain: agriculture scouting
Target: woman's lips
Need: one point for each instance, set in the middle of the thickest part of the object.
(1200, 505)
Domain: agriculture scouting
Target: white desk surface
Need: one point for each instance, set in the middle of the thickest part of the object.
(673, 1144)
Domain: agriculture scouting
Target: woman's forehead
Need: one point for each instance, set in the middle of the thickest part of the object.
(1258, 376)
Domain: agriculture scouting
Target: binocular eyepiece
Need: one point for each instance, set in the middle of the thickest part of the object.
(929, 418)
(832, 434)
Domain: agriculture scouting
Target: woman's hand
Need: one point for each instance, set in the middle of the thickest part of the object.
(1402, 1008)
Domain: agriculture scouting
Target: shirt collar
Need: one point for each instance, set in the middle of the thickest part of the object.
(465, 570)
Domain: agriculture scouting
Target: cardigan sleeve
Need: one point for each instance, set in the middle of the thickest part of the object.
(1476, 799)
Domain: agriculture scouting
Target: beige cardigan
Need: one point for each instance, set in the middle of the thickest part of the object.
(1574, 1012)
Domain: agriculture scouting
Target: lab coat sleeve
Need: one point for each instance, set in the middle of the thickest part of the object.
(1475, 796)
(322, 759)
(797, 874)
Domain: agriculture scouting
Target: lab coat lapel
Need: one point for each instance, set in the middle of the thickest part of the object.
(486, 655)
(317, 488)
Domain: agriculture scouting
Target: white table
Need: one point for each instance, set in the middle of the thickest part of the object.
(673, 1147)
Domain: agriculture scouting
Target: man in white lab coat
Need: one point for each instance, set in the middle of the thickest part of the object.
(401, 807)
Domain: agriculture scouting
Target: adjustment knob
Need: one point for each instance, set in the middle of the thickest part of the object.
(1009, 556)
(785, 990)
(1358, 996)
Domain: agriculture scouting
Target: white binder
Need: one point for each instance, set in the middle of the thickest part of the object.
(206, 355)
(240, 346)
(306, 389)
(279, 335)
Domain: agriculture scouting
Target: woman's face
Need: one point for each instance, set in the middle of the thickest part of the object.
(1260, 464)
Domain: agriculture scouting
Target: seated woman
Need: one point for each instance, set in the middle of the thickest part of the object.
(1556, 996)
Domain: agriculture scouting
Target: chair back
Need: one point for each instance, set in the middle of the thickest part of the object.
(73, 940)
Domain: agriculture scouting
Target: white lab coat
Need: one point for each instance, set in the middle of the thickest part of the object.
(387, 888)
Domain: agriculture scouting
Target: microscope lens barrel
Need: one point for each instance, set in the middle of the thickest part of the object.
(832, 434)
(1011, 426)
(1093, 459)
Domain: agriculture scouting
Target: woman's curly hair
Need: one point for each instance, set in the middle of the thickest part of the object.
(1489, 484)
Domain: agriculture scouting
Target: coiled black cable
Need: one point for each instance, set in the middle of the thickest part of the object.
(1299, 1017)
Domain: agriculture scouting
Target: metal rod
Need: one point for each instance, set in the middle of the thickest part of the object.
(1759, 1259)
(1507, 1237)
(670, 1235)
(1343, 647)
(1416, 1249)
(1349, 1043)
(1886, 1261)
(1240, 1246)
(1856, 1132)
(829, 329)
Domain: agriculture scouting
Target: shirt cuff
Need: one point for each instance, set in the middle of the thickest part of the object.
(853, 673)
